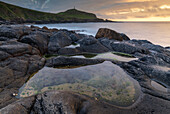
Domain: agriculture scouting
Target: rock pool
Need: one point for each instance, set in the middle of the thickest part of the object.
(104, 82)
(108, 56)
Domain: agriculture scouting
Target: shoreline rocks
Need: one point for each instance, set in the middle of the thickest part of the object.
(111, 34)
(22, 54)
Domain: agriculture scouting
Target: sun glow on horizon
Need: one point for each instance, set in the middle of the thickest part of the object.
(153, 19)
(139, 0)
(165, 7)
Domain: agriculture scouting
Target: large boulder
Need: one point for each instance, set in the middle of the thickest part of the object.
(106, 42)
(92, 45)
(38, 40)
(108, 33)
(58, 40)
(74, 36)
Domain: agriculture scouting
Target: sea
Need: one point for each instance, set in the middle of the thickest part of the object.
(155, 32)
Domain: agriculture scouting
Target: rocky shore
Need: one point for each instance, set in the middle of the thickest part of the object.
(26, 51)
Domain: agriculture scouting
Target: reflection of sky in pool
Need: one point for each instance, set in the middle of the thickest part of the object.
(158, 86)
(105, 81)
(73, 46)
(108, 55)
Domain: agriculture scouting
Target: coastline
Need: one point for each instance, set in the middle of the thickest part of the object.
(24, 49)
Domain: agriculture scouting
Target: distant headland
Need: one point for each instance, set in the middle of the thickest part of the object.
(16, 14)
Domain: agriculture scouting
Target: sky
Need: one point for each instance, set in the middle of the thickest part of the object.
(117, 10)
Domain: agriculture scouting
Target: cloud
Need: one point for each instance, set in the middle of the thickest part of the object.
(43, 5)
(112, 9)
(139, 0)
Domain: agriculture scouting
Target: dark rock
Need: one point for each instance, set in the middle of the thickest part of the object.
(167, 47)
(106, 42)
(163, 57)
(128, 48)
(75, 37)
(17, 63)
(90, 44)
(108, 33)
(140, 42)
(89, 40)
(38, 40)
(124, 36)
(15, 48)
(58, 40)
(14, 31)
(20, 107)
(4, 38)
(150, 46)
(69, 51)
(4, 55)
(13, 74)
(5, 74)
(67, 61)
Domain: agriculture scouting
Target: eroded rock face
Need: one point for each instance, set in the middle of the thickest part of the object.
(108, 33)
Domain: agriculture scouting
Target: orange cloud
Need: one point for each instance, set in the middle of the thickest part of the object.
(139, 0)
(145, 19)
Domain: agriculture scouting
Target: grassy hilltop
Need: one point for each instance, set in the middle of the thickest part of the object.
(18, 14)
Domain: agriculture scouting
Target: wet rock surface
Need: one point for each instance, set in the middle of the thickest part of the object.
(22, 51)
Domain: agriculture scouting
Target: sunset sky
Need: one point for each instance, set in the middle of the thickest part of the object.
(119, 10)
